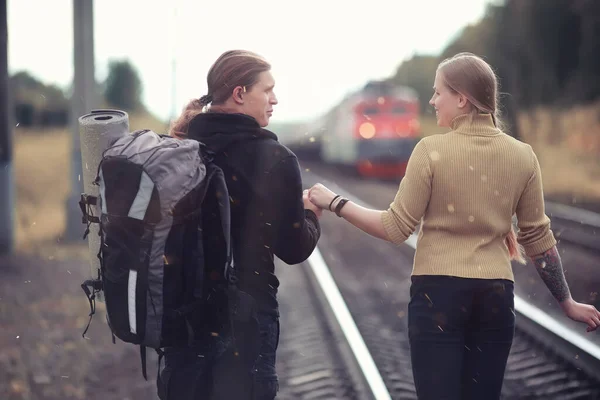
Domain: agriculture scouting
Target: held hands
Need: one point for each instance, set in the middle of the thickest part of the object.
(585, 313)
(320, 196)
(308, 205)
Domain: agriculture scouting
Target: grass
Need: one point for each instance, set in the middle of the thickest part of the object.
(567, 143)
(42, 161)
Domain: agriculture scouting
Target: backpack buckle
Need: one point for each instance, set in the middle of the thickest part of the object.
(85, 203)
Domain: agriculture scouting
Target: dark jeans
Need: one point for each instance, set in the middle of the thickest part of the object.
(460, 333)
(199, 374)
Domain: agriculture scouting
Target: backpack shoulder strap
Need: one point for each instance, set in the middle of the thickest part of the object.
(217, 178)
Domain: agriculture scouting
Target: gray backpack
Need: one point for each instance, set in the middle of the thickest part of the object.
(163, 202)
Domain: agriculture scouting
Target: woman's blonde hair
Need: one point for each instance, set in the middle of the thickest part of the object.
(474, 78)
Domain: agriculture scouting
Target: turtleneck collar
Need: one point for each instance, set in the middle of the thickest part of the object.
(475, 124)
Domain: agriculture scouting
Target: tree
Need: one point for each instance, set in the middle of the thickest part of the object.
(418, 73)
(123, 87)
(36, 103)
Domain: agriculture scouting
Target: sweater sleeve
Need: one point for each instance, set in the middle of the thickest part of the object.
(296, 230)
(412, 198)
(534, 226)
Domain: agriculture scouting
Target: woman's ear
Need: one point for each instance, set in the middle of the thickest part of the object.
(462, 101)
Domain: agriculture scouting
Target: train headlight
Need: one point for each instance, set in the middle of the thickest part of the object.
(366, 130)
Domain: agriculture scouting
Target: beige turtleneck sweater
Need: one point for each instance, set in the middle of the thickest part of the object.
(464, 187)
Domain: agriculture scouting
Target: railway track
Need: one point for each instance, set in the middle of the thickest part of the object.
(313, 360)
(576, 226)
(547, 360)
(537, 369)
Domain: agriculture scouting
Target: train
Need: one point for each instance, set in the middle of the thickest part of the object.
(372, 131)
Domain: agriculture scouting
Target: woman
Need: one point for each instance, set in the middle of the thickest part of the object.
(270, 216)
(464, 187)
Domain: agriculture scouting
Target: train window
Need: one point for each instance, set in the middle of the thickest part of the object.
(370, 111)
(399, 110)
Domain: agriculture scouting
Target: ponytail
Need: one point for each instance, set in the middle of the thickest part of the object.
(515, 250)
(179, 127)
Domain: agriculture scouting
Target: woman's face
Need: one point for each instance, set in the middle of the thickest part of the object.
(447, 103)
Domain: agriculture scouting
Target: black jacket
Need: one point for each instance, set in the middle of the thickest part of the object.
(265, 188)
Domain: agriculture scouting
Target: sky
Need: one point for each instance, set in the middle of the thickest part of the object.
(319, 49)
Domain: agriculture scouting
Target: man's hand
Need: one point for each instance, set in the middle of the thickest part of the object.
(308, 205)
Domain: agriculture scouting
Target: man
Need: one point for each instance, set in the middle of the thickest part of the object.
(270, 216)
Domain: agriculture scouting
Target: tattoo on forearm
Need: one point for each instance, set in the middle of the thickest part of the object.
(549, 267)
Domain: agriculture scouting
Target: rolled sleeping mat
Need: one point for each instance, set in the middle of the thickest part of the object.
(98, 130)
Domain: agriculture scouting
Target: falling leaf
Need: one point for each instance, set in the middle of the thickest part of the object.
(428, 298)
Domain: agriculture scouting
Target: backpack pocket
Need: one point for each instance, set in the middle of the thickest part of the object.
(126, 254)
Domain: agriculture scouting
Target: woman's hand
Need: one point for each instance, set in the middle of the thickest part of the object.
(582, 313)
(365, 219)
(320, 196)
(308, 205)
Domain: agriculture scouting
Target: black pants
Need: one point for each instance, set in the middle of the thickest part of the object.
(460, 333)
(210, 373)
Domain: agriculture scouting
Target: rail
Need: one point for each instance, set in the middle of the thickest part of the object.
(584, 353)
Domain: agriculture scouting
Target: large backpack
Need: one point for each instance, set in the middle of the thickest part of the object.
(158, 196)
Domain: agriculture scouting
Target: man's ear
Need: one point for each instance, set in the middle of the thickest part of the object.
(238, 95)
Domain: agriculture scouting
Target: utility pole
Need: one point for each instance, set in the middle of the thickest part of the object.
(174, 47)
(83, 101)
(6, 169)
